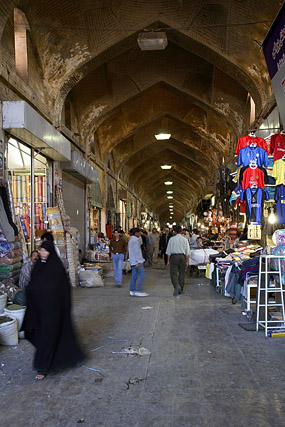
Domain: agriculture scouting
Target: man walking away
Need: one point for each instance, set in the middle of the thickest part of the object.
(178, 252)
(163, 244)
(147, 244)
(118, 247)
(136, 261)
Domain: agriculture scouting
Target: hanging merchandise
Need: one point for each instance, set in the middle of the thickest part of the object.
(70, 236)
(280, 203)
(254, 232)
(27, 169)
(277, 145)
(252, 175)
(246, 141)
(279, 171)
(247, 154)
(254, 202)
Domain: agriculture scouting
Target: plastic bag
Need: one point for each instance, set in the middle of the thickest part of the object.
(90, 279)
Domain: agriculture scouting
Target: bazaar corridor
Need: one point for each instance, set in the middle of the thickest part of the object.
(203, 370)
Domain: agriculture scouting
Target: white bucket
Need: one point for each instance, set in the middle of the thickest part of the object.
(19, 315)
(9, 332)
(3, 302)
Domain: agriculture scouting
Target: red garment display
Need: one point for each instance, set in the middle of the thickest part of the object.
(245, 141)
(277, 146)
(241, 205)
(109, 231)
(253, 177)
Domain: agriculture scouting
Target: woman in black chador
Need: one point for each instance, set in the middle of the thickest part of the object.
(47, 323)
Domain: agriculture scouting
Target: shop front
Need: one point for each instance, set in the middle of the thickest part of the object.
(76, 174)
(31, 147)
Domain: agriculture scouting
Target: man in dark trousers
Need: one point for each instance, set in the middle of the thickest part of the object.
(163, 244)
(118, 247)
(178, 252)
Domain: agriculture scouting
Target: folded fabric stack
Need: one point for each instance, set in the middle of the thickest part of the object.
(10, 261)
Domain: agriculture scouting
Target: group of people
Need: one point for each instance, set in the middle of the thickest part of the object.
(46, 290)
(143, 247)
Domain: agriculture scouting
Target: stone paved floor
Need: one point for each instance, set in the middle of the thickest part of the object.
(204, 370)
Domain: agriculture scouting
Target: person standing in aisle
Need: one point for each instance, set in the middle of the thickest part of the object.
(164, 239)
(147, 245)
(118, 248)
(154, 240)
(178, 252)
(137, 264)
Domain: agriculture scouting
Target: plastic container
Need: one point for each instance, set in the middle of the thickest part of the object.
(3, 302)
(19, 314)
(9, 331)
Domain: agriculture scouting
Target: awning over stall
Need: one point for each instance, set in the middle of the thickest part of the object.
(23, 122)
(80, 168)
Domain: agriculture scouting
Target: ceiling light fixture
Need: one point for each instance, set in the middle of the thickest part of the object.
(169, 192)
(170, 217)
(170, 197)
(152, 40)
(168, 182)
(162, 134)
(166, 166)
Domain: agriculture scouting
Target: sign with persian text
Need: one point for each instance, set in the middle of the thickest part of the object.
(274, 53)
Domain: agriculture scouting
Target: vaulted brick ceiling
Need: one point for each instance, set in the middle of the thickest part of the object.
(198, 87)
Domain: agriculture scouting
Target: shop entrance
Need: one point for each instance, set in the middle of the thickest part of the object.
(73, 191)
(30, 177)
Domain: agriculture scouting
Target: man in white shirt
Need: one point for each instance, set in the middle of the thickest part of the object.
(154, 240)
(136, 260)
(178, 252)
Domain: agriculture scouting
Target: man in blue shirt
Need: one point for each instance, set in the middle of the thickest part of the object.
(136, 260)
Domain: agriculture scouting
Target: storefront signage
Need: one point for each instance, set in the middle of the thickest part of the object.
(274, 52)
(80, 168)
(23, 122)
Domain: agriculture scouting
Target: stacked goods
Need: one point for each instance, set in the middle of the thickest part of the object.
(59, 198)
(3, 301)
(72, 258)
(54, 219)
(10, 290)
(59, 241)
(10, 261)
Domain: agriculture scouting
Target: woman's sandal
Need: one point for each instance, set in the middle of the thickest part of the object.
(40, 376)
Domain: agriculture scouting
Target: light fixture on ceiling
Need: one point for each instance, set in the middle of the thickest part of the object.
(169, 192)
(170, 197)
(166, 166)
(162, 134)
(168, 182)
(152, 40)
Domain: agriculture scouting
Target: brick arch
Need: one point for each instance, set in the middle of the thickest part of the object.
(188, 43)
